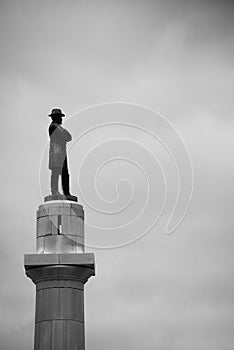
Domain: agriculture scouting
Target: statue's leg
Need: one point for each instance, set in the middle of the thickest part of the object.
(65, 179)
(54, 181)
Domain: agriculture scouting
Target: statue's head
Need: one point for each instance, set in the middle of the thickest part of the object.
(57, 115)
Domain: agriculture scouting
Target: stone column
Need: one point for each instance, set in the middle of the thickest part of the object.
(59, 269)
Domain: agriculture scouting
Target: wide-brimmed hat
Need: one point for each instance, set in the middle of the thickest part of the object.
(56, 111)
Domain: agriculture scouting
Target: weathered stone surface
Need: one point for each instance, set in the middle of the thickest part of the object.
(81, 336)
(66, 303)
(72, 225)
(77, 210)
(79, 248)
(40, 245)
(58, 228)
(37, 337)
(42, 268)
(59, 303)
(75, 335)
(44, 226)
(44, 273)
(59, 244)
(52, 301)
(39, 301)
(54, 224)
(44, 336)
(77, 259)
(42, 212)
(59, 322)
(57, 210)
(78, 302)
(36, 260)
(59, 335)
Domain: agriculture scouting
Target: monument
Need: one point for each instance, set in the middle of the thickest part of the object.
(58, 157)
(60, 267)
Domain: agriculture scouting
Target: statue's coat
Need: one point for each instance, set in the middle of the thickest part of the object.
(58, 140)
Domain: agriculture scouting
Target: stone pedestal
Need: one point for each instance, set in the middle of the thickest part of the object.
(60, 227)
(59, 270)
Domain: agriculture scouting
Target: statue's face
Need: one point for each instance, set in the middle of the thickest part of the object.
(57, 119)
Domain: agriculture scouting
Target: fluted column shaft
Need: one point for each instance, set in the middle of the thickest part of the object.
(59, 320)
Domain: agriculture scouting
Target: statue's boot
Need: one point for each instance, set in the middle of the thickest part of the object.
(66, 188)
(66, 185)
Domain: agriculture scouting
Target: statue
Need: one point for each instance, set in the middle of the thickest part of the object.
(58, 157)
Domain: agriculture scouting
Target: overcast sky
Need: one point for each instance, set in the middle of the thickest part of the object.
(164, 292)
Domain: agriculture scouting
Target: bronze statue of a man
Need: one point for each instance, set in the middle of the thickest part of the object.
(58, 156)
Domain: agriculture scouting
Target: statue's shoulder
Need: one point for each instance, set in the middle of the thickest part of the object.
(52, 127)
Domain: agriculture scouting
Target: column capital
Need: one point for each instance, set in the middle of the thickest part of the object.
(45, 267)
